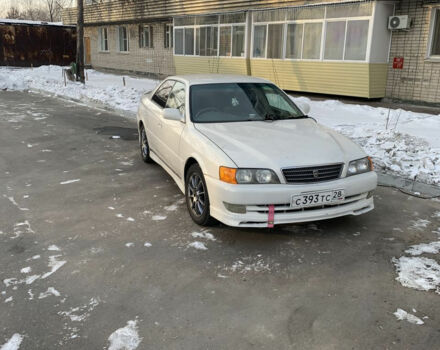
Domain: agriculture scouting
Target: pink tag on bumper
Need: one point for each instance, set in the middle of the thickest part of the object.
(271, 216)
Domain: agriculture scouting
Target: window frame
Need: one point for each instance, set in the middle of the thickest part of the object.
(323, 22)
(435, 12)
(146, 28)
(100, 32)
(127, 32)
(218, 25)
(168, 36)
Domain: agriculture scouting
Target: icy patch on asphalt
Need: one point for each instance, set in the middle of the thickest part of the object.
(198, 245)
(26, 269)
(147, 244)
(53, 247)
(126, 338)
(418, 273)
(12, 200)
(8, 300)
(420, 224)
(50, 291)
(403, 315)
(158, 217)
(430, 248)
(81, 313)
(13, 343)
(69, 181)
(203, 234)
(54, 264)
(249, 264)
(129, 244)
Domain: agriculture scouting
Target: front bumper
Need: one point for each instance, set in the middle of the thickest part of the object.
(257, 199)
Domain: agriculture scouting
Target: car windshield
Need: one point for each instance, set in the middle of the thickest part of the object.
(236, 102)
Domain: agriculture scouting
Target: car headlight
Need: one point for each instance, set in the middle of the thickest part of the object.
(248, 176)
(359, 166)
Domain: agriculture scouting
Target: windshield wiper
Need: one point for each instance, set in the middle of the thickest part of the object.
(271, 117)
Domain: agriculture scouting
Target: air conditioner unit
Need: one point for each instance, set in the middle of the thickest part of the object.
(399, 22)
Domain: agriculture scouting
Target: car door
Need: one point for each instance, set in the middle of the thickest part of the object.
(172, 129)
(155, 121)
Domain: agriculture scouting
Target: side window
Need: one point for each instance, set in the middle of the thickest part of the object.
(161, 95)
(277, 101)
(177, 97)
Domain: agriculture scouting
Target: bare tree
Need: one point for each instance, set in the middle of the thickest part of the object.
(14, 13)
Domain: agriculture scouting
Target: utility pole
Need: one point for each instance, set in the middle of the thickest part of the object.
(80, 42)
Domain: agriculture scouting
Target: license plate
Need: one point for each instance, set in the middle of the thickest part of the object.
(311, 199)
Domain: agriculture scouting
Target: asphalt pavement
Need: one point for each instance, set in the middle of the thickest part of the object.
(92, 238)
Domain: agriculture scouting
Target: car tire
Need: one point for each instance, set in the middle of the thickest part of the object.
(143, 143)
(196, 195)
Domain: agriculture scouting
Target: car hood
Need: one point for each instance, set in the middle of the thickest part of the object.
(281, 143)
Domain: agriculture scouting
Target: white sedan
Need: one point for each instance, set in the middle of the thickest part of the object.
(243, 153)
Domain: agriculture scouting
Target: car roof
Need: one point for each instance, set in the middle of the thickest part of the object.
(196, 79)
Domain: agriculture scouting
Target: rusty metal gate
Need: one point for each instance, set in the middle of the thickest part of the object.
(35, 45)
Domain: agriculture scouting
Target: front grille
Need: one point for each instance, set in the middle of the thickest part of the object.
(313, 173)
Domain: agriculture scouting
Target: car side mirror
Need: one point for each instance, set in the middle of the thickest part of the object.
(304, 107)
(173, 114)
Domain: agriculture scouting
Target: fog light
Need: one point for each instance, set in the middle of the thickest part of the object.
(235, 208)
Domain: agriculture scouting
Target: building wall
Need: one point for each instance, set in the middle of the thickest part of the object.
(221, 65)
(336, 78)
(157, 60)
(419, 80)
(129, 10)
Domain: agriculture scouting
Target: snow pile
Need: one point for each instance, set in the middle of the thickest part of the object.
(101, 88)
(430, 248)
(400, 142)
(198, 245)
(403, 315)
(418, 273)
(13, 343)
(126, 338)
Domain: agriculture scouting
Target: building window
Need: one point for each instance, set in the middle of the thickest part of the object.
(206, 41)
(238, 39)
(103, 39)
(312, 41)
(330, 32)
(275, 40)
(259, 41)
(435, 34)
(146, 36)
(294, 40)
(178, 47)
(334, 40)
(356, 41)
(123, 43)
(214, 35)
(189, 41)
(168, 36)
(225, 41)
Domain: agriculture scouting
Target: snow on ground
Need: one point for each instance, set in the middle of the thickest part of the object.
(126, 338)
(408, 145)
(400, 142)
(403, 315)
(430, 248)
(102, 88)
(418, 272)
(13, 343)
(198, 245)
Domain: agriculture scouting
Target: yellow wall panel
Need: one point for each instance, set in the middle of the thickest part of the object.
(192, 65)
(334, 78)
